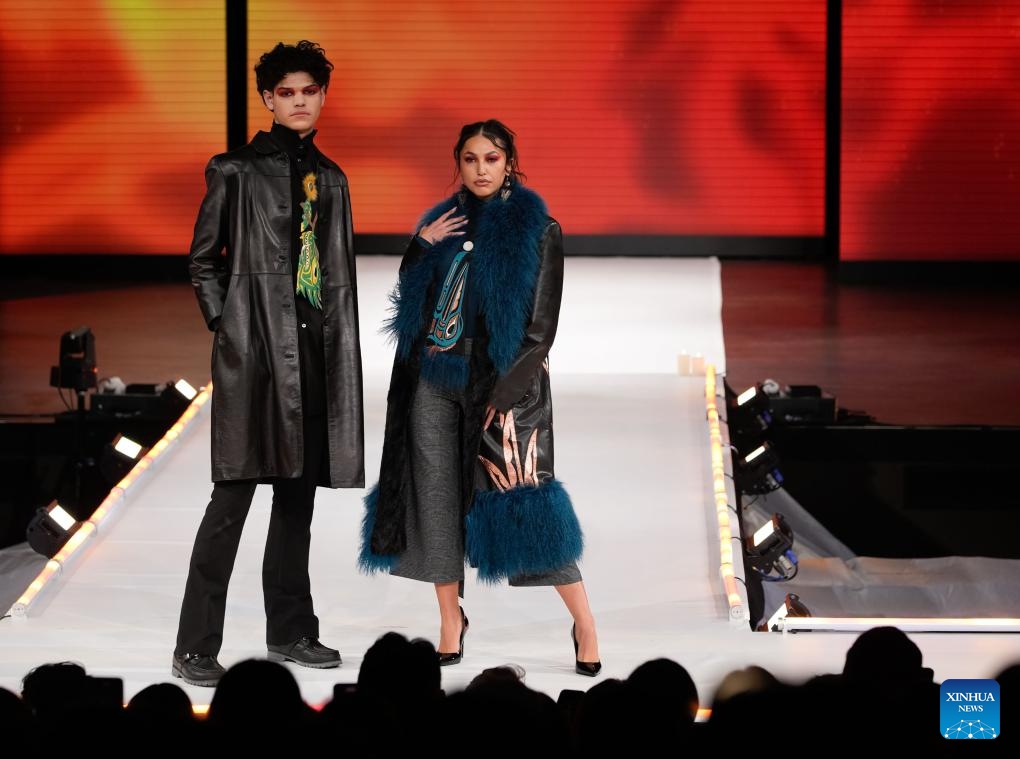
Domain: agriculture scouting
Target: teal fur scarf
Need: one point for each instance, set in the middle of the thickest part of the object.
(504, 268)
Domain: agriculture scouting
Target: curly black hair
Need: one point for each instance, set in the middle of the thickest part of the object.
(287, 59)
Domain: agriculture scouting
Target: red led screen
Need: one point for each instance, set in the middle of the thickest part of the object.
(110, 111)
(930, 130)
(632, 117)
(698, 117)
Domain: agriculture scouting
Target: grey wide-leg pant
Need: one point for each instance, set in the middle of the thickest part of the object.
(435, 529)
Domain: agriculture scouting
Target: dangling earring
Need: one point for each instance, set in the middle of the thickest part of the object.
(505, 192)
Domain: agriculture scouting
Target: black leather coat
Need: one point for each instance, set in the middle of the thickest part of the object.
(522, 388)
(240, 264)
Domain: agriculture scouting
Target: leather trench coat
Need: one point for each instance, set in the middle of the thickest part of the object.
(240, 264)
(521, 386)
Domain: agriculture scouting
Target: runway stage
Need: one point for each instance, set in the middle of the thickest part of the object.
(632, 449)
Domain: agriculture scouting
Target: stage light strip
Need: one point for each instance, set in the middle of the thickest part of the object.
(107, 508)
(721, 497)
(906, 624)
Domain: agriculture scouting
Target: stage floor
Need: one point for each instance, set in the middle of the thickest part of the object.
(632, 449)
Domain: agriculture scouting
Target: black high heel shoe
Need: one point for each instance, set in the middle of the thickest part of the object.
(589, 668)
(446, 660)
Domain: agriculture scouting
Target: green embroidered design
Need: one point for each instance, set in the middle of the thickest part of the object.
(308, 281)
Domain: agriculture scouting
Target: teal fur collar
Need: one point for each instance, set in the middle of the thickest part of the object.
(504, 269)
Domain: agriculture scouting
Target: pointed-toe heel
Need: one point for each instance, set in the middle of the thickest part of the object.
(588, 668)
(446, 659)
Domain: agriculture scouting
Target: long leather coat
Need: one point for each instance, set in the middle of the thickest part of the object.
(507, 456)
(240, 264)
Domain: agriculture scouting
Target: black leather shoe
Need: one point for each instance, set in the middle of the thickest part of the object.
(589, 668)
(445, 660)
(197, 669)
(307, 652)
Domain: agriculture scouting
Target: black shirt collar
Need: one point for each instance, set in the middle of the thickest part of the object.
(295, 145)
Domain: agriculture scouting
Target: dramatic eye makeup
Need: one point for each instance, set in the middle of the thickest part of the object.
(286, 92)
(492, 157)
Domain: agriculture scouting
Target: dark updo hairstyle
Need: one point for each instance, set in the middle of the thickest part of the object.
(500, 135)
(289, 59)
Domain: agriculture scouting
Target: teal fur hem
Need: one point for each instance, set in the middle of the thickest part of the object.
(523, 531)
(369, 562)
(449, 371)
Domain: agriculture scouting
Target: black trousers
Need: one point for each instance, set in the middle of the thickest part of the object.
(285, 583)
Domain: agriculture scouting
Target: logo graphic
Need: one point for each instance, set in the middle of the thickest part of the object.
(969, 709)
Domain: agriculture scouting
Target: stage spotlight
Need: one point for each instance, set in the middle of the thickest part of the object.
(50, 528)
(177, 395)
(77, 364)
(755, 404)
(758, 472)
(119, 457)
(769, 550)
(748, 416)
(184, 387)
(792, 606)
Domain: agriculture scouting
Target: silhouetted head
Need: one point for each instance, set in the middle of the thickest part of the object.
(666, 682)
(161, 703)
(399, 670)
(254, 693)
(748, 679)
(885, 654)
(53, 686)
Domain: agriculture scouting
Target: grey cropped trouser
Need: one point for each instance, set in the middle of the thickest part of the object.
(435, 529)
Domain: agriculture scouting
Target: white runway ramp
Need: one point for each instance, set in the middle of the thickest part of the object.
(632, 449)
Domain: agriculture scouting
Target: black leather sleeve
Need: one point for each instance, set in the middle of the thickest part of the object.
(416, 250)
(206, 263)
(541, 329)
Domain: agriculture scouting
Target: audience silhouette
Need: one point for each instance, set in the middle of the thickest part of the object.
(253, 694)
(395, 700)
(884, 696)
(162, 708)
(499, 711)
(17, 722)
(64, 699)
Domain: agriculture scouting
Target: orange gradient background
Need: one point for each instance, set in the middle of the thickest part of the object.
(633, 118)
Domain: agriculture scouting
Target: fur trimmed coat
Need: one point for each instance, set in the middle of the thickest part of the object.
(518, 518)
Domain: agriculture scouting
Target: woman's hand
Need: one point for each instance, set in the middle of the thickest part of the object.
(445, 226)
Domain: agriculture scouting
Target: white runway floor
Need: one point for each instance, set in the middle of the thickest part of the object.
(632, 449)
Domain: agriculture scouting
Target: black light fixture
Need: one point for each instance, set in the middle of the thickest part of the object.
(755, 403)
(758, 471)
(119, 457)
(748, 416)
(76, 368)
(177, 394)
(770, 550)
(792, 606)
(50, 528)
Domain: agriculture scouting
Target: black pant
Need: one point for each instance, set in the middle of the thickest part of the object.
(285, 583)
